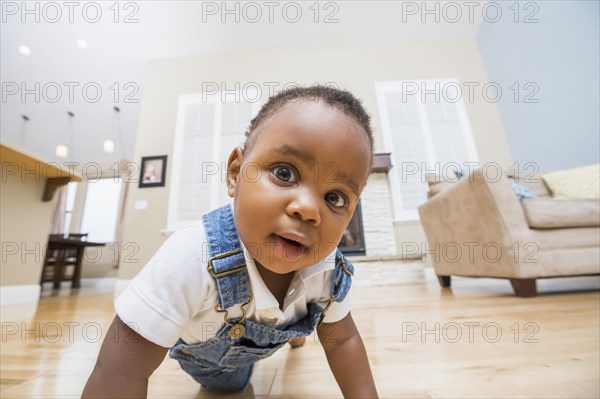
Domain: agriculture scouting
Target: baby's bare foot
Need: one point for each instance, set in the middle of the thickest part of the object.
(297, 342)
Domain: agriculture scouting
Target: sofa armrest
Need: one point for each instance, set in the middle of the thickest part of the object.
(474, 214)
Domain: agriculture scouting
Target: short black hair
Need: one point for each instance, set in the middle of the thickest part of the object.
(337, 98)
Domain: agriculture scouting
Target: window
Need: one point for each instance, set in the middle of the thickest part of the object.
(101, 209)
(208, 128)
(425, 127)
(69, 205)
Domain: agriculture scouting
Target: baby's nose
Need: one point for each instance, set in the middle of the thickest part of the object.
(305, 206)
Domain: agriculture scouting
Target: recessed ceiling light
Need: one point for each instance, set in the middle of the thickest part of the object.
(62, 151)
(82, 43)
(24, 50)
(109, 146)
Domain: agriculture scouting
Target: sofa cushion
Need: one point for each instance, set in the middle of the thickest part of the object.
(575, 183)
(554, 213)
(438, 183)
(438, 187)
(529, 179)
(520, 190)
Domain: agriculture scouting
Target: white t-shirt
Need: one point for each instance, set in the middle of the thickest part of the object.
(175, 296)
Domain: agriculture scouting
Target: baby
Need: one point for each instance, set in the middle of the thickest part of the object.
(260, 272)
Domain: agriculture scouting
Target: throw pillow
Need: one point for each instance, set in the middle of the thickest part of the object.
(574, 183)
(460, 173)
(522, 192)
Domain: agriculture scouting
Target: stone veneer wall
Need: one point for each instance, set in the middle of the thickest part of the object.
(377, 217)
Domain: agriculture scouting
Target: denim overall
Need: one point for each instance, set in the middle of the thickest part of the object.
(225, 362)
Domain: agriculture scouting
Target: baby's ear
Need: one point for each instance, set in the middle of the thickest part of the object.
(234, 164)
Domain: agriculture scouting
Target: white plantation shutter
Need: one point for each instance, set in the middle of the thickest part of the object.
(408, 146)
(424, 133)
(195, 148)
(235, 118)
(206, 132)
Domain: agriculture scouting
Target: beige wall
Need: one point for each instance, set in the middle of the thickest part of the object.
(352, 67)
(24, 228)
(25, 225)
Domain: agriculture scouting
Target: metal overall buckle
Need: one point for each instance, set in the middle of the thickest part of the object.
(345, 266)
(237, 329)
(211, 268)
(332, 298)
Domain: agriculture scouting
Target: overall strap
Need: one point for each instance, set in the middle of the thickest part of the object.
(340, 282)
(226, 264)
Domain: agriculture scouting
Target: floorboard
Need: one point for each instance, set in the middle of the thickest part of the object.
(476, 340)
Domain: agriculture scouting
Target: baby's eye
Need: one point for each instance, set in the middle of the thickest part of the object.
(335, 199)
(285, 174)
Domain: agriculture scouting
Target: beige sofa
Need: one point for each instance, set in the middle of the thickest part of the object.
(477, 227)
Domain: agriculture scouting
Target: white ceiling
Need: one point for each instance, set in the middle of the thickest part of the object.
(119, 52)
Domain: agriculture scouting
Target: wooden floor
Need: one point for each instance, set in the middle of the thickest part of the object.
(476, 341)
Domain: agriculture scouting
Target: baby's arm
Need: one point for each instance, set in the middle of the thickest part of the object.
(347, 358)
(125, 363)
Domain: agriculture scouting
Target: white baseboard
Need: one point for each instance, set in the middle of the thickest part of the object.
(16, 294)
(18, 303)
(121, 285)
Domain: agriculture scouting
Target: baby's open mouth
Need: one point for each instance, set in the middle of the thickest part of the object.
(288, 247)
(292, 242)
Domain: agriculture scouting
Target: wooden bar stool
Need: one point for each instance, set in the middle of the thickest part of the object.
(61, 256)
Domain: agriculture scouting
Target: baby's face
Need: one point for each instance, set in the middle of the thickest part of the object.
(297, 187)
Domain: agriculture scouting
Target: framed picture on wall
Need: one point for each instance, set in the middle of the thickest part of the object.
(153, 171)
